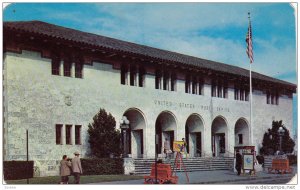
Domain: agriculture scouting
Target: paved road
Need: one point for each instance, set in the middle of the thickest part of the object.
(223, 177)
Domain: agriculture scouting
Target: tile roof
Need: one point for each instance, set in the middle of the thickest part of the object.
(58, 32)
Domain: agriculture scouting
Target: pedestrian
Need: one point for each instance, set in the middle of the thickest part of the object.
(65, 169)
(76, 167)
(238, 162)
(167, 149)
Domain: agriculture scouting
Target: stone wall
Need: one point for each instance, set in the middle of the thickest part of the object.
(37, 100)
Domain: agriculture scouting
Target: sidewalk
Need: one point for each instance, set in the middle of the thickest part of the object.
(218, 177)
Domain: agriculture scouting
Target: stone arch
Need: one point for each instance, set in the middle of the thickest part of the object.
(241, 132)
(136, 132)
(194, 131)
(219, 135)
(165, 127)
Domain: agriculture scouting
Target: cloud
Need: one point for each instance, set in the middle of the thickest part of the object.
(175, 16)
(179, 27)
(276, 61)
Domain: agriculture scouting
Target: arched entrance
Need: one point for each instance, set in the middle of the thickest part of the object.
(194, 131)
(136, 132)
(165, 128)
(219, 133)
(241, 133)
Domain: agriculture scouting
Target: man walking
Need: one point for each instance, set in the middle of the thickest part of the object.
(76, 167)
(238, 162)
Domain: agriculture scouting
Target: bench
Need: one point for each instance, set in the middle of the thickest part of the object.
(164, 175)
(280, 166)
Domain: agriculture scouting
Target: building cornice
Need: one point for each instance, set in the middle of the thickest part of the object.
(51, 39)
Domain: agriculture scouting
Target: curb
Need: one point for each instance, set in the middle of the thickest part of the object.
(248, 179)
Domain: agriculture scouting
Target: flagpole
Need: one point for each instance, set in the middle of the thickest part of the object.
(251, 60)
(251, 129)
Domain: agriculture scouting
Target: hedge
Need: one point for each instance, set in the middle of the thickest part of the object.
(102, 166)
(292, 159)
(17, 170)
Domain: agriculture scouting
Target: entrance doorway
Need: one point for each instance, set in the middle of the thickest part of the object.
(138, 136)
(135, 137)
(219, 136)
(241, 133)
(165, 127)
(193, 131)
(170, 136)
(198, 144)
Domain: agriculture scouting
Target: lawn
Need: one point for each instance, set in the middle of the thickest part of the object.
(83, 179)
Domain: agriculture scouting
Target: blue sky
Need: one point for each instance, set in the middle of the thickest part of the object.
(214, 31)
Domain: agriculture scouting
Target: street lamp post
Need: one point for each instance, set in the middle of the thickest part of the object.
(124, 125)
(281, 132)
(156, 155)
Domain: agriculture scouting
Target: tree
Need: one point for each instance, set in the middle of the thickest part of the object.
(271, 140)
(104, 138)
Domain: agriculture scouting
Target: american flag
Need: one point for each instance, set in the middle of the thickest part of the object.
(249, 49)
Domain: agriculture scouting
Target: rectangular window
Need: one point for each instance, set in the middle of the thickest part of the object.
(268, 98)
(123, 74)
(157, 82)
(277, 99)
(213, 89)
(68, 134)
(246, 95)
(78, 134)
(272, 98)
(58, 130)
(187, 86)
(236, 93)
(78, 70)
(67, 68)
(241, 94)
(141, 77)
(240, 138)
(200, 90)
(219, 86)
(165, 81)
(194, 86)
(158, 76)
(173, 83)
(132, 78)
(225, 92)
(55, 66)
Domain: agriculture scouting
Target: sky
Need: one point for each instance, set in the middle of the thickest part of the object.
(214, 31)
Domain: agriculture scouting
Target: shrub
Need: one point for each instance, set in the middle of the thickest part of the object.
(292, 159)
(102, 166)
(104, 139)
(17, 170)
(271, 140)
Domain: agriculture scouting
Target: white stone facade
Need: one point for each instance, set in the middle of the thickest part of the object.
(36, 100)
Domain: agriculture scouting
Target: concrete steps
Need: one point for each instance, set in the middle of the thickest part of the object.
(268, 161)
(143, 166)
